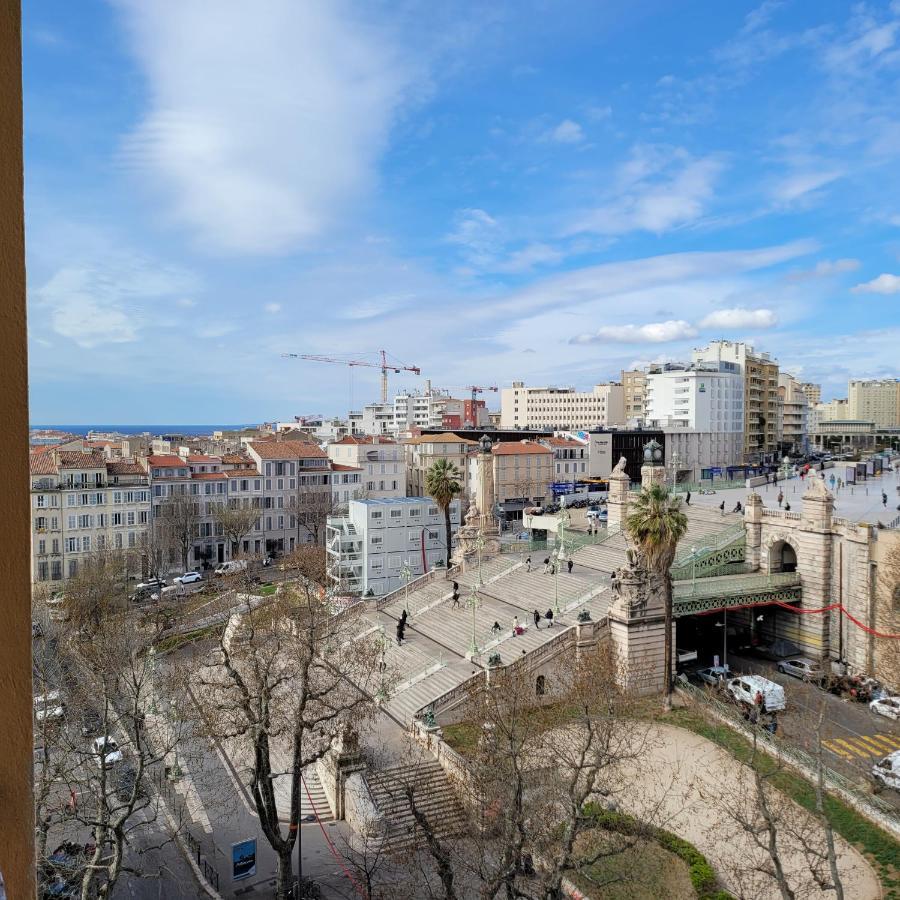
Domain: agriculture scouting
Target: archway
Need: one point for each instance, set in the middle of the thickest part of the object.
(782, 557)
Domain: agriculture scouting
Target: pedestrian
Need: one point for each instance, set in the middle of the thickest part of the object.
(787, 507)
(737, 507)
(722, 507)
(547, 565)
(495, 629)
(455, 595)
(884, 499)
(527, 563)
(515, 629)
(537, 619)
(549, 617)
(780, 498)
(569, 565)
(400, 628)
(687, 499)
(403, 617)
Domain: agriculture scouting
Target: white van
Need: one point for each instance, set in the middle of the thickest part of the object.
(232, 567)
(746, 688)
(886, 772)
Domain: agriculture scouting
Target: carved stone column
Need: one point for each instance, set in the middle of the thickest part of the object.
(617, 503)
(753, 511)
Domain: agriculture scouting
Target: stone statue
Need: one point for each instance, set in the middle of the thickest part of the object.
(815, 485)
(619, 468)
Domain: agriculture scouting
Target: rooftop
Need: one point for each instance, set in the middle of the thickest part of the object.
(167, 461)
(42, 464)
(365, 439)
(287, 450)
(515, 448)
(125, 467)
(75, 459)
(397, 501)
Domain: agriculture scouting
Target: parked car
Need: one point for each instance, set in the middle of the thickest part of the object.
(91, 721)
(151, 584)
(746, 688)
(714, 675)
(777, 649)
(886, 771)
(49, 707)
(188, 578)
(802, 668)
(107, 751)
(232, 567)
(886, 706)
(167, 591)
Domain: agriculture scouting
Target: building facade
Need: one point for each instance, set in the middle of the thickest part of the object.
(523, 475)
(561, 408)
(812, 392)
(707, 397)
(875, 401)
(380, 460)
(760, 374)
(422, 452)
(634, 392)
(379, 544)
(793, 415)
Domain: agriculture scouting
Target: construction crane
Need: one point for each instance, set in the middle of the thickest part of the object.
(476, 390)
(384, 365)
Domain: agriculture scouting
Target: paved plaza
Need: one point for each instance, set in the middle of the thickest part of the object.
(860, 502)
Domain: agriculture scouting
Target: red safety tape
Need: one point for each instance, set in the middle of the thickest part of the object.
(334, 852)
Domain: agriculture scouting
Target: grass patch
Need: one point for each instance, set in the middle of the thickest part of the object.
(173, 642)
(267, 590)
(881, 850)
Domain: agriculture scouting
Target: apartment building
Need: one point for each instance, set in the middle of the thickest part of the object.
(523, 474)
(369, 548)
(634, 392)
(373, 418)
(812, 392)
(875, 401)
(423, 451)
(424, 409)
(793, 415)
(570, 457)
(706, 397)
(561, 408)
(837, 410)
(380, 460)
(83, 503)
(760, 373)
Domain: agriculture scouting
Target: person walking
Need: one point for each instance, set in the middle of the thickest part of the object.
(569, 565)
(549, 617)
(495, 629)
(687, 499)
(547, 566)
(400, 629)
(884, 499)
(527, 563)
(722, 507)
(780, 498)
(515, 628)
(455, 595)
(403, 617)
(537, 619)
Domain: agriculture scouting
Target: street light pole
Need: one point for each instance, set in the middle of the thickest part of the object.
(693, 569)
(473, 602)
(405, 574)
(479, 546)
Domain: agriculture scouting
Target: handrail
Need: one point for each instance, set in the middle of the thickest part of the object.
(707, 587)
(715, 541)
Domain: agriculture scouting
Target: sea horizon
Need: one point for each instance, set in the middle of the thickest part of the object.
(186, 429)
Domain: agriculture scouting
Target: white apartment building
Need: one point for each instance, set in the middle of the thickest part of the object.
(423, 409)
(380, 460)
(368, 549)
(373, 418)
(701, 397)
(875, 401)
(83, 503)
(561, 408)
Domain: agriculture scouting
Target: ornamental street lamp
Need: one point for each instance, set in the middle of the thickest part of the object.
(406, 574)
(558, 555)
(693, 569)
(473, 603)
(381, 696)
(479, 546)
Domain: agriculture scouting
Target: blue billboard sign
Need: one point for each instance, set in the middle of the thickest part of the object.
(243, 859)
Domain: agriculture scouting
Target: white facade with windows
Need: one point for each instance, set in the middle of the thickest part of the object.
(369, 548)
(380, 461)
(701, 398)
(563, 408)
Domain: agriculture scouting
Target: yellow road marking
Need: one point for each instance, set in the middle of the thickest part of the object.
(852, 746)
(835, 746)
(836, 750)
(869, 740)
(887, 740)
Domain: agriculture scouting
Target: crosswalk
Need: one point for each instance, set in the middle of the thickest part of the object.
(862, 746)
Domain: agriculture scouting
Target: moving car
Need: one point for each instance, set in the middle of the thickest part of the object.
(886, 772)
(188, 578)
(107, 751)
(746, 688)
(801, 667)
(151, 584)
(886, 706)
(714, 675)
(232, 567)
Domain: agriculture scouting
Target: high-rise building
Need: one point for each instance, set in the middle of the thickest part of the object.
(760, 373)
(703, 397)
(793, 415)
(561, 408)
(634, 386)
(875, 401)
(813, 392)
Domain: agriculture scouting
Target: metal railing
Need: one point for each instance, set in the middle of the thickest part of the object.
(732, 585)
(710, 542)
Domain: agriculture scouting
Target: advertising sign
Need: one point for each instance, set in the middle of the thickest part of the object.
(243, 859)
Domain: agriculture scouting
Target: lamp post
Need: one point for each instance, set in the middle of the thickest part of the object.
(479, 546)
(693, 569)
(473, 603)
(381, 696)
(724, 626)
(406, 574)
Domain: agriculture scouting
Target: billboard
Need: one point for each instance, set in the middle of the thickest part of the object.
(243, 859)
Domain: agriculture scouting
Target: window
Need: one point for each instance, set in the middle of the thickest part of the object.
(415, 512)
(142, 517)
(72, 522)
(376, 514)
(54, 546)
(71, 545)
(42, 548)
(376, 540)
(396, 513)
(130, 519)
(56, 570)
(117, 518)
(41, 500)
(85, 521)
(71, 500)
(73, 568)
(41, 522)
(43, 571)
(131, 539)
(117, 540)
(86, 544)
(377, 565)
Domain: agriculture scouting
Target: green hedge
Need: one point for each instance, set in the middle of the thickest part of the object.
(703, 878)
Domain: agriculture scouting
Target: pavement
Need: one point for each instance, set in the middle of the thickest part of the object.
(860, 502)
(686, 781)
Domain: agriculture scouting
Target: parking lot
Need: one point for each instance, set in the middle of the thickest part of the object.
(853, 736)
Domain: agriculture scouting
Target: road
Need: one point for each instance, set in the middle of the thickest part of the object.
(853, 736)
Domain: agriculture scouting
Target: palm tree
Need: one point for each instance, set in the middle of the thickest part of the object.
(442, 485)
(655, 523)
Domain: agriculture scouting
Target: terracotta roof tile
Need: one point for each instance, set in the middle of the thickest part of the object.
(125, 467)
(43, 464)
(167, 461)
(338, 467)
(202, 457)
(515, 448)
(356, 439)
(445, 438)
(75, 459)
(287, 450)
(209, 476)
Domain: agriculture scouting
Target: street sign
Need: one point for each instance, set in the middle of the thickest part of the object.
(243, 859)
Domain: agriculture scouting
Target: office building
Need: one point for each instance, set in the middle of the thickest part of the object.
(875, 401)
(561, 408)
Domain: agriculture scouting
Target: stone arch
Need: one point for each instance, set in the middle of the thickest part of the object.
(540, 686)
(781, 553)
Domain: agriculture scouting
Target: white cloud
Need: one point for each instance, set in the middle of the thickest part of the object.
(652, 333)
(739, 318)
(526, 258)
(261, 129)
(567, 132)
(186, 302)
(799, 184)
(657, 189)
(272, 308)
(883, 284)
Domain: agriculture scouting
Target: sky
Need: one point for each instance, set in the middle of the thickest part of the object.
(538, 190)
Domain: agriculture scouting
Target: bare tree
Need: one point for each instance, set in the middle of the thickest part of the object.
(285, 678)
(236, 522)
(314, 506)
(179, 515)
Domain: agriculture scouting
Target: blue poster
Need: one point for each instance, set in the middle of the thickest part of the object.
(243, 859)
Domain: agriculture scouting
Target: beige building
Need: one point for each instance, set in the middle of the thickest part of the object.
(793, 415)
(561, 408)
(634, 388)
(875, 401)
(812, 392)
(423, 451)
(833, 411)
(523, 472)
(760, 373)
(380, 459)
(82, 503)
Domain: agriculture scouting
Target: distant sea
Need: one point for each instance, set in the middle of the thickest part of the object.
(140, 429)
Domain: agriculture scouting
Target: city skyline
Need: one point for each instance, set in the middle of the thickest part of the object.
(550, 195)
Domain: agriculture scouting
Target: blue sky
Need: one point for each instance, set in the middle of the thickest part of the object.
(536, 190)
